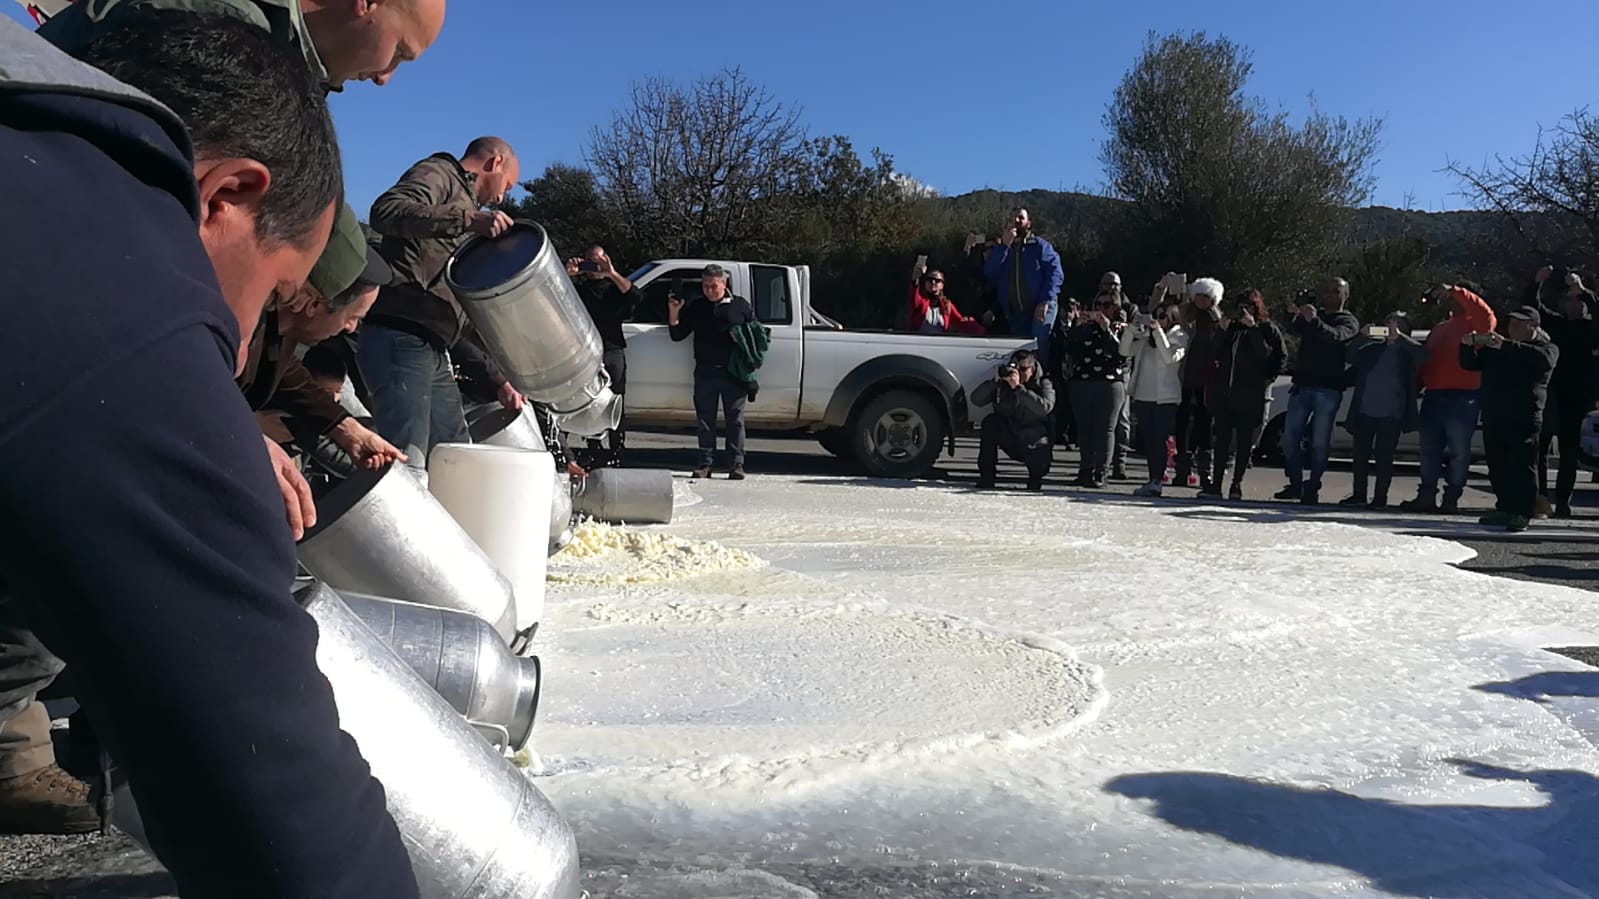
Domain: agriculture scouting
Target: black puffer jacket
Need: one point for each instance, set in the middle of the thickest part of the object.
(1025, 410)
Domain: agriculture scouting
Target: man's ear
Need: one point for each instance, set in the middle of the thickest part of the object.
(231, 193)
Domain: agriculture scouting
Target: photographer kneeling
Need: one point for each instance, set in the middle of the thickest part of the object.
(1020, 423)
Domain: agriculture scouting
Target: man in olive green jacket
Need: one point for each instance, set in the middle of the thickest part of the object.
(416, 325)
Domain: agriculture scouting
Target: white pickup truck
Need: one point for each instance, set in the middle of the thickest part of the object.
(888, 400)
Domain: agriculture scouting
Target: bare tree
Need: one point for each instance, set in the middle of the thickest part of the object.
(706, 170)
(1549, 196)
(1220, 183)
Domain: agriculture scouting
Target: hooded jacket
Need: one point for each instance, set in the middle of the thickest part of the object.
(1442, 369)
(121, 428)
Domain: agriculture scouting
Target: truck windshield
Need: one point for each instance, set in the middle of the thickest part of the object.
(644, 269)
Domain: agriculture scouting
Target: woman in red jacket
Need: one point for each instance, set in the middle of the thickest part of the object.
(931, 312)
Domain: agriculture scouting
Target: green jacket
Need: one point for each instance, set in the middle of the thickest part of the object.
(750, 342)
(73, 28)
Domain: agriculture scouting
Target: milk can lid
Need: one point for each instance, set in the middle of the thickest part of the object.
(484, 263)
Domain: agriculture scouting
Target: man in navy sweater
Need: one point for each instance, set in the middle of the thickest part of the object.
(150, 549)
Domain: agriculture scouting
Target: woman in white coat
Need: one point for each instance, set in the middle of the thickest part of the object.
(1156, 345)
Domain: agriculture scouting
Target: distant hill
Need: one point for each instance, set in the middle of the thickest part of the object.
(1452, 235)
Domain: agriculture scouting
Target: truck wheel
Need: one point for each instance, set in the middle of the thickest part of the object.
(897, 434)
(835, 441)
(1269, 451)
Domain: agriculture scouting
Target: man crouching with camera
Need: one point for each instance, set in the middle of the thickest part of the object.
(1020, 422)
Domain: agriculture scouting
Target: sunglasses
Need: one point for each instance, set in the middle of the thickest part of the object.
(932, 280)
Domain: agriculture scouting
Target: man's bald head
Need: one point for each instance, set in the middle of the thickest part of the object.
(368, 40)
(494, 163)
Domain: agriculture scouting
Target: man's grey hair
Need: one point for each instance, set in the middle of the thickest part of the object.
(714, 271)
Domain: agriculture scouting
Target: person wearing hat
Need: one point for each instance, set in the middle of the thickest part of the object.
(336, 296)
(1384, 363)
(1516, 367)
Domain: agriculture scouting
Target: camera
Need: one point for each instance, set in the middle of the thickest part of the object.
(1007, 370)
(1480, 340)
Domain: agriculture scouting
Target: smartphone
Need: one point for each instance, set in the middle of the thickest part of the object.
(1176, 283)
(1379, 331)
(921, 262)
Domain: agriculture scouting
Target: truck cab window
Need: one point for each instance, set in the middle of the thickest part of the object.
(772, 304)
(651, 309)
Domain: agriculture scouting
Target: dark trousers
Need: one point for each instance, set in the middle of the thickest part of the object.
(1156, 424)
(1097, 404)
(1193, 432)
(1512, 449)
(1562, 424)
(616, 367)
(1065, 419)
(996, 435)
(712, 388)
(1376, 436)
(1235, 437)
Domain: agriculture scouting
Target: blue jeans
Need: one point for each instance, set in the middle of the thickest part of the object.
(1448, 421)
(416, 404)
(1312, 408)
(1028, 325)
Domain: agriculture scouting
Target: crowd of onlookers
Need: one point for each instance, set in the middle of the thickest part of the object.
(1184, 380)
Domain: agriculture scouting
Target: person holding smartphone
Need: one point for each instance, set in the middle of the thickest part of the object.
(1516, 368)
(1324, 333)
(710, 320)
(1384, 362)
(1449, 401)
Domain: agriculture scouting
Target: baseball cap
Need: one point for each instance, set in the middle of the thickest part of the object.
(348, 259)
(1527, 314)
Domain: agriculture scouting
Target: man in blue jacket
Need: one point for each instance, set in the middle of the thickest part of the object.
(1026, 271)
(156, 559)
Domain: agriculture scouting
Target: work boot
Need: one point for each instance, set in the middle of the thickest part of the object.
(1356, 500)
(1236, 492)
(1494, 519)
(1420, 504)
(1451, 506)
(737, 474)
(1515, 524)
(48, 801)
(704, 471)
(1289, 493)
(1310, 497)
(1563, 511)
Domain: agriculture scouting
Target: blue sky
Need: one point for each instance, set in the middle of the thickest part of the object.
(966, 96)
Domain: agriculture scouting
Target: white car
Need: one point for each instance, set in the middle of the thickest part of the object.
(1343, 443)
(889, 400)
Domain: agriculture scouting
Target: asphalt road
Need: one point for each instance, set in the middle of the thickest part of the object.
(1565, 552)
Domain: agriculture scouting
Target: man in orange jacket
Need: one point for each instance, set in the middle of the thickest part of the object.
(1449, 405)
